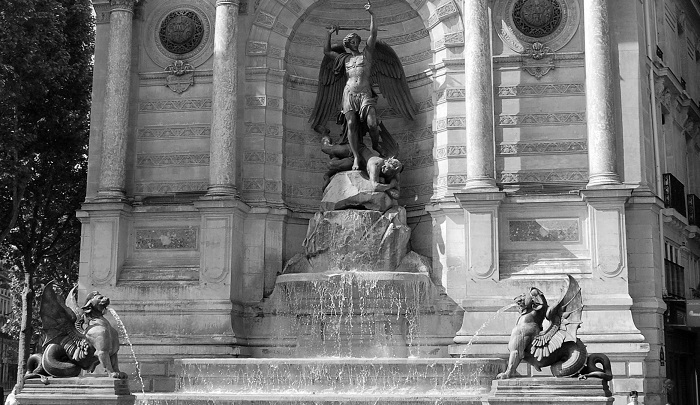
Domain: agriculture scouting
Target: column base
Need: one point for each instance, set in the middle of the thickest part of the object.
(111, 194)
(603, 180)
(481, 184)
(222, 190)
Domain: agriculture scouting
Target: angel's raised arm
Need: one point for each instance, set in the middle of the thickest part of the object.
(327, 48)
(372, 39)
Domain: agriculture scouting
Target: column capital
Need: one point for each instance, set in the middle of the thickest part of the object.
(227, 3)
(122, 5)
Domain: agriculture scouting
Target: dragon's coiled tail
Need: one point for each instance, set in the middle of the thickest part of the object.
(573, 360)
(56, 363)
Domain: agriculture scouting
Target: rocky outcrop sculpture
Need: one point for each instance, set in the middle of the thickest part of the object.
(558, 346)
(74, 338)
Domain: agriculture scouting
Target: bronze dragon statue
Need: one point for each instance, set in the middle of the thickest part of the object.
(558, 346)
(74, 338)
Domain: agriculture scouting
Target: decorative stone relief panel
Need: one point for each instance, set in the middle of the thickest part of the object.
(180, 31)
(544, 230)
(166, 238)
(199, 104)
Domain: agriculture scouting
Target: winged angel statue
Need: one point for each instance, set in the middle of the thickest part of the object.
(74, 338)
(345, 80)
(558, 346)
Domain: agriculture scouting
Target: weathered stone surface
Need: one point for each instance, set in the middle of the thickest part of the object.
(359, 240)
(297, 264)
(414, 263)
(352, 189)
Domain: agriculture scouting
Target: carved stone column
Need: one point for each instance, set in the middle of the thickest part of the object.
(222, 162)
(116, 103)
(600, 107)
(479, 90)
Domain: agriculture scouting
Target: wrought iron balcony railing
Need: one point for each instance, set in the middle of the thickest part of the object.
(693, 210)
(674, 193)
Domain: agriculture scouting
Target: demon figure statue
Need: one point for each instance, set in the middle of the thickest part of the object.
(74, 338)
(558, 346)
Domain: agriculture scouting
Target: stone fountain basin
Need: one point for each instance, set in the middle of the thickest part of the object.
(369, 291)
(335, 376)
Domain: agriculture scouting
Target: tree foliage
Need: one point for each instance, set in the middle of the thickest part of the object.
(46, 49)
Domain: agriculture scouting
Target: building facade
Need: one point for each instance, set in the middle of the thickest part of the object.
(553, 137)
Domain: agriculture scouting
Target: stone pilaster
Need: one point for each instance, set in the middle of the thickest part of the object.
(481, 259)
(116, 104)
(222, 164)
(479, 89)
(600, 107)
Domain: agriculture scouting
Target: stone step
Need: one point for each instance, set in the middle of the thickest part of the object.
(87, 390)
(550, 391)
(376, 376)
(306, 399)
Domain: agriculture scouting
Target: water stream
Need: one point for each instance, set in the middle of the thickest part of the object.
(122, 329)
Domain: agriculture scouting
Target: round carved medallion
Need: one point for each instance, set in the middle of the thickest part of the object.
(181, 31)
(522, 23)
(537, 18)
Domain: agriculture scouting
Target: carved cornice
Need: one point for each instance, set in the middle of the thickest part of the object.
(442, 13)
(171, 187)
(157, 132)
(447, 123)
(544, 176)
(675, 100)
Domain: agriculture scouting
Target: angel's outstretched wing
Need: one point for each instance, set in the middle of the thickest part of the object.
(388, 73)
(58, 323)
(565, 318)
(331, 81)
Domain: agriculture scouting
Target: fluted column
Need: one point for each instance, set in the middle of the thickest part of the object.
(116, 103)
(600, 107)
(222, 162)
(479, 90)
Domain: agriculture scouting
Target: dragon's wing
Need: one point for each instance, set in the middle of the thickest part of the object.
(58, 322)
(331, 81)
(565, 319)
(388, 72)
(55, 315)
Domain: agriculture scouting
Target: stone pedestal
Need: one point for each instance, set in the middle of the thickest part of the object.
(76, 391)
(549, 391)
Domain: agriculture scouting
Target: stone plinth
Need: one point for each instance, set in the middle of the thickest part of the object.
(76, 391)
(353, 189)
(357, 240)
(549, 391)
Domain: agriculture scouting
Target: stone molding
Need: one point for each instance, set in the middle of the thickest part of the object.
(364, 22)
(171, 187)
(162, 57)
(263, 129)
(261, 184)
(544, 89)
(158, 79)
(442, 13)
(273, 103)
(122, 5)
(449, 40)
(447, 95)
(320, 41)
(450, 151)
(558, 118)
(171, 159)
(447, 123)
(542, 148)
(156, 132)
(193, 104)
(262, 157)
(676, 101)
(303, 191)
(543, 176)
